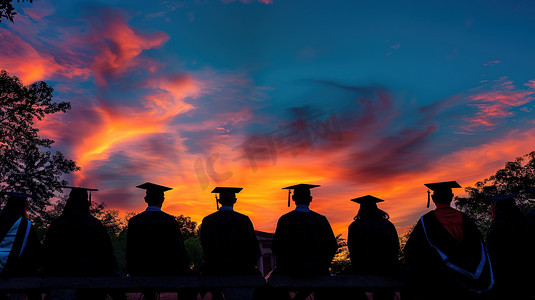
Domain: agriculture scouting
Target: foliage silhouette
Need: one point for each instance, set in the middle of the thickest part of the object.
(188, 227)
(25, 163)
(516, 177)
(341, 262)
(7, 11)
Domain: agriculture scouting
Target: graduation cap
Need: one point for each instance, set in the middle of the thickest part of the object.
(227, 191)
(17, 195)
(152, 187)
(440, 187)
(368, 199)
(81, 190)
(299, 189)
(499, 197)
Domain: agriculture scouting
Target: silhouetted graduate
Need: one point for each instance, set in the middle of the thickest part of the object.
(372, 240)
(510, 242)
(154, 244)
(304, 243)
(228, 239)
(78, 245)
(20, 248)
(530, 214)
(446, 256)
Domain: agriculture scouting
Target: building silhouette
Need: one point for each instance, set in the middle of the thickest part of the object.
(266, 263)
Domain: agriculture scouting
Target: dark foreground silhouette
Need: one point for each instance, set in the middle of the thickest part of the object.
(446, 257)
(445, 253)
(511, 246)
(154, 245)
(373, 243)
(77, 244)
(228, 240)
(304, 243)
(20, 248)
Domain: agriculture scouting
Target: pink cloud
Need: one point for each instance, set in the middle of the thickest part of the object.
(497, 104)
(117, 46)
(492, 62)
(531, 84)
(39, 10)
(168, 93)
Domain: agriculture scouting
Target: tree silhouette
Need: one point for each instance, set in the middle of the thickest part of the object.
(516, 177)
(25, 163)
(7, 10)
(341, 261)
(188, 228)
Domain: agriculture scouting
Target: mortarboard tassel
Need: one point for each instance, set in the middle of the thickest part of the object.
(428, 198)
(216, 202)
(89, 198)
(289, 193)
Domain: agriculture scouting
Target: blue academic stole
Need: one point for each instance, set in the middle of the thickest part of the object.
(9, 240)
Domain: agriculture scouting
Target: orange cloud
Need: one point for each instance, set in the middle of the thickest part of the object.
(120, 125)
(404, 192)
(22, 59)
(111, 48)
(117, 46)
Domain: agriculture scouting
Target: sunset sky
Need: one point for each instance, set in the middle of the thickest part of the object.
(360, 97)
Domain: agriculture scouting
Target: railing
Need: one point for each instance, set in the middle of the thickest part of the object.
(234, 287)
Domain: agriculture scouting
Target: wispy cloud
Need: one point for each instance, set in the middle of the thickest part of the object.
(31, 63)
(249, 1)
(495, 104)
(492, 62)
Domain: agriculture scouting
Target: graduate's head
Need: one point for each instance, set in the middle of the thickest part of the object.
(368, 208)
(155, 193)
(502, 205)
(227, 195)
(16, 203)
(79, 194)
(301, 193)
(154, 198)
(442, 196)
(302, 197)
(15, 208)
(442, 193)
(77, 204)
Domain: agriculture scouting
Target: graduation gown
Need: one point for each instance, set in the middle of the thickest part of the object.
(22, 252)
(511, 245)
(443, 268)
(304, 244)
(154, 245)
(229, 244)
(79, 249)
(373, 246)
